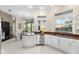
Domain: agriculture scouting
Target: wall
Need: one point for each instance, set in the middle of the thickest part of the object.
(50, 16)
(76, 19)
(19, 21)
(7, 17)
(49, 19)
(38, 13)
(62, 8)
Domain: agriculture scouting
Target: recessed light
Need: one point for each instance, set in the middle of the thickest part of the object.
(42, 7)
(24, 21)
(30, 6)
(9, 10)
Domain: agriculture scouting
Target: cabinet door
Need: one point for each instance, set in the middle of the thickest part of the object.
(75, 47)
(65, 44)
(62, 44)
(25, 40)
(33, 39)
(68, 45)
(49, 40)
(37, 39)
(46, 39)
(55, 41)
(30, 40)
(52, 41)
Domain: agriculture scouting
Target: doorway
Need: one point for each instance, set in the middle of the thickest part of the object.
(5, 30)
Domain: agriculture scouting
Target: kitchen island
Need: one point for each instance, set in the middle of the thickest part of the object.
(29, 40)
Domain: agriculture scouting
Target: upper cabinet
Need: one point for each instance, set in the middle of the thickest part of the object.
(64, 21)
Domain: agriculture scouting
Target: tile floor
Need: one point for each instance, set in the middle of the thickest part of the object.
(15, 47)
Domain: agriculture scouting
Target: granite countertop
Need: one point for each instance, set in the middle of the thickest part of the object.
(27, 34)
(59, 34)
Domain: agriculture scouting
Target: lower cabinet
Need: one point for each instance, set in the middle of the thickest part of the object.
(65, 44)
(75, 47)
(29, 41)
(54, 41)
(37, 39)
(47, 40)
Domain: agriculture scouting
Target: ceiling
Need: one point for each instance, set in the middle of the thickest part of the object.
(24, 7)
(28, 9)
(20, 9)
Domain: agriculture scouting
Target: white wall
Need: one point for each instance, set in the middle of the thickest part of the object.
(76, 19)
(49, 20)
(62, 8)
(7, 17)
(19, 20)
(50, 17)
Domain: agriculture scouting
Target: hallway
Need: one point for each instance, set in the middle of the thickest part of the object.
(12, 47)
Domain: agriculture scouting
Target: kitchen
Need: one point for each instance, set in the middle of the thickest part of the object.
(54, 26)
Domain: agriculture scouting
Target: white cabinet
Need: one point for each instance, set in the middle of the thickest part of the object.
(55, 42)
(75, 47)
(33, 39)
(51, 41)
(65, 44)
(47, 40)
(29, 41)
(37, 39)
(69, 45)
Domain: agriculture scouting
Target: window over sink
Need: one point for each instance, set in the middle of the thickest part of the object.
(63, 21)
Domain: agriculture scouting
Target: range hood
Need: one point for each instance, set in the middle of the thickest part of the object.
(29, 19)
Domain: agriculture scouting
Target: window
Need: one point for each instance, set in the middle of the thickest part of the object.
(29, 27)
(63, 21)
